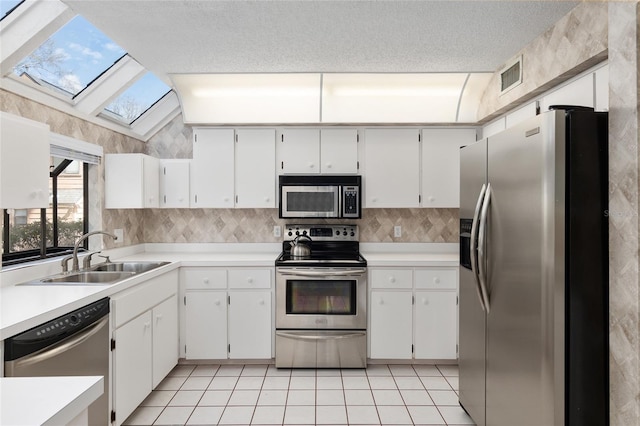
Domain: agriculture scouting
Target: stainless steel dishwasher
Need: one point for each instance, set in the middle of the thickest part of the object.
(75, 344)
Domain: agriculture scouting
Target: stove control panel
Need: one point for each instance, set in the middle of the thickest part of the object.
(323, 232)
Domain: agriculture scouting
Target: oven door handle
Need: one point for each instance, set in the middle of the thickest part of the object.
(322, 273)
(297, 336)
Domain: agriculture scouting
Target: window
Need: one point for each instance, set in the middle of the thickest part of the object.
(132, 103)
(7, 6)
(31, 234)
(71, 58)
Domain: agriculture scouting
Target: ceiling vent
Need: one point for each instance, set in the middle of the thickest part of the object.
(511, 75)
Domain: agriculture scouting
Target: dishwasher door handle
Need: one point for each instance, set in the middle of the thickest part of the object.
(63, 346)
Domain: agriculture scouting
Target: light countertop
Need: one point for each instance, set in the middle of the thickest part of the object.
(56, 401)
(23, 307)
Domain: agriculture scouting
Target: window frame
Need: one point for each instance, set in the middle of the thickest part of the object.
(45, 251)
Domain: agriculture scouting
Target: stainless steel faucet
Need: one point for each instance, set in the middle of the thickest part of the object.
(74, 256)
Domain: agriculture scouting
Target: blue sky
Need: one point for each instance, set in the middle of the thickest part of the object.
(82, 53)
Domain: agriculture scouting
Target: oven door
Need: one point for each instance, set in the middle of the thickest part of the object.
(321, 298)
(309, 201)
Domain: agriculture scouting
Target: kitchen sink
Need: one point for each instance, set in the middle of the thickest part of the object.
(134, 267)
(84, 278)
(102, 274)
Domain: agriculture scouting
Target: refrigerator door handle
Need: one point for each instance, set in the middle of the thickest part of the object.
(482, 266)
(473, 246)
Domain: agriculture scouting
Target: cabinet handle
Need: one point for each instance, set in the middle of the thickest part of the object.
(392, 280)
(329, 165)
(311, 165)
(147, 325)
(158, 317)
(431, 199)
(226, 199)
(374, 200)
(266, 199)
(250, 280)
(206, 280)
(217, 302)
(380, 302)
(436, 280)
(261, 302)
(425, 301)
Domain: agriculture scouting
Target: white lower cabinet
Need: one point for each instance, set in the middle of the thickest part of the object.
(145, 340)
(133, 371)
(250, 324)
(391, 321)
(228, 313)
(206, 324)
(436, 334)
(413, 313)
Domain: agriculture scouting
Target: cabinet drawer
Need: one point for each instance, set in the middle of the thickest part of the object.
(131, 303)
(437, 278)
(391, 278)
(203, 278)
(249, 278)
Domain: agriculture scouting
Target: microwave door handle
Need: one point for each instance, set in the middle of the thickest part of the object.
(473, 246)
(323, 273)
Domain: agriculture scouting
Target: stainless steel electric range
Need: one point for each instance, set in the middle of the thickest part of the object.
(321, 300)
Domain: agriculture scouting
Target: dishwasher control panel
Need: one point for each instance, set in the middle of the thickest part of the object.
(57, 329)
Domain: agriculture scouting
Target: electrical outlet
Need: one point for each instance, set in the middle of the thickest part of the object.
(119, 233)
(277, 231)
(397, 231)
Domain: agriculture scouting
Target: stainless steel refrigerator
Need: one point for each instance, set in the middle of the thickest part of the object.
(534, 273)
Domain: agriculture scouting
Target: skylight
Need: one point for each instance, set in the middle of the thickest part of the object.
(7, 6)
(132, 103)
(71, 58)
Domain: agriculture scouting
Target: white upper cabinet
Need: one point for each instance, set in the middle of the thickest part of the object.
(392, 168)
(131, 181)
(24, 163)
(212, 171)
(174, 183)
(339, 151)
(299, 151)
(441, 165)
(255, 168)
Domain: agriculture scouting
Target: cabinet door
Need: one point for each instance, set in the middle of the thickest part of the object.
(151, 181)
(206, 325)
(391, 319)
(339, 151)
(392, 168)
(256, 168)
(132, 375)
(24, 163)
(131, 181)
(436, 326)
(299, 151)
(250, 328)
(174, 183)
(441, 165)
(212, 168)
(165, 338)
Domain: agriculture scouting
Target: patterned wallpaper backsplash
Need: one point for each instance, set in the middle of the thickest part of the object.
(256, 225)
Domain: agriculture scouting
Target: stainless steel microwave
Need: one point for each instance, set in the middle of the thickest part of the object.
(318, 196)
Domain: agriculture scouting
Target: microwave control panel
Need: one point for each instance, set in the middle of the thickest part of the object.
(350, 201)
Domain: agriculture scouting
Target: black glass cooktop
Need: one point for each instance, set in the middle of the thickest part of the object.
(329, 255)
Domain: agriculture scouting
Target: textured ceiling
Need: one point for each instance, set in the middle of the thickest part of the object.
(320, 36)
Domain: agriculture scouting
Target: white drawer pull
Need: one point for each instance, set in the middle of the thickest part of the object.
(381, 302)
(206, 280)
(250, 280)
(261, 302)
(425, 301)
(392, 280)
(217, 302)
(436, 280)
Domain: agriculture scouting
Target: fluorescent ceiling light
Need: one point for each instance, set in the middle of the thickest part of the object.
(395, 91)
(252, 91)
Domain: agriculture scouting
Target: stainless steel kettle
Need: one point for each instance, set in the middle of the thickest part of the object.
(301, 246)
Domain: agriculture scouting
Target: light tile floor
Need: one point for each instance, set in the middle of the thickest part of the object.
(264, 395)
